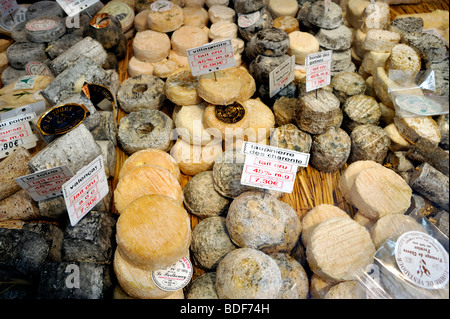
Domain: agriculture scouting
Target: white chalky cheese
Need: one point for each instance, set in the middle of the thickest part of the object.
(189, 124)
(140, 20)
(354, 12)
(137, 67)
(372, 60)
(376, 16)
(218, 13)
(302, 44)
(223, 29)
(151, 46)
(380, 40)
(278, 8)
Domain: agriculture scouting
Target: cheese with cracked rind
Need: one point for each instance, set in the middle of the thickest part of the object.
(165, 21)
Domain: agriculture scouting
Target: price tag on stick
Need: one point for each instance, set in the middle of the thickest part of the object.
(211, 57)
(74, 7)
(282, 76)
(8, 7)
(318, 70)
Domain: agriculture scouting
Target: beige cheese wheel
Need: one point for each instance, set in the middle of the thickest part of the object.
(403, 57)
(136, 282)
(286, 23)
(223, 29)
(137, 67)
(376, 16)
(145, 180)
(379, 191)
(194, 159)
(354, 12)
(364, 221)
(317, 215)
(150, 156)
(348, 177)
(165, 68)
(302, 44)
(153, 232)
(392, 226)
(372, 60)
(188, 37)
(398, 143)
(197, 17)
(181, 88)
(230, 123)
(278, 8)
(165, 21)
(140, 20)
(416, 127)
(337, 248)
(261, 119)
(380, 40)
(219, 12)
(219, 88)
(151, 46)
(318, 287)
(180, 60)
(248, 83)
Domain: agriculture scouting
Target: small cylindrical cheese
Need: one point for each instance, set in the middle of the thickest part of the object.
(286, 23)
(219, 88)
(165, 18)
(181, 88)
(137, 67)
(223, 29)
(151, 46)
(221, 13)
(301, 45)
(197, 17)
(278, 8)
(187, 37)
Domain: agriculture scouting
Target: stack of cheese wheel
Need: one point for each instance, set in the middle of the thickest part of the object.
(153, 231)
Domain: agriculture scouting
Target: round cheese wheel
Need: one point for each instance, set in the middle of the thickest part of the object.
(140, 20)
(272, 42)
(146, 180)
(278, 8)
(230, 120)
(197, 17)
(150, 156)
(45, 29)
(302, 44)
(223, 29)
(181, 88)
(165, 68)
(194, 3)
(221, 13)
(295, 279)
(286, 23)
(151, 46)
(141, 92)
(187, 37)
(164, 16)
(403, 57)
(245, 6)
(261, 119)
(136, 282)
(122, 11)
(137, 67)
(180, 60)
(153, 232)
(248, 84)
(219, 88)
(346, 290)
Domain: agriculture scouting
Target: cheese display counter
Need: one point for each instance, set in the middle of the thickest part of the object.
(215, 149)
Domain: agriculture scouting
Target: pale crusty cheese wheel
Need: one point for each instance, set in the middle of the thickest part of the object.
(416, 127)
(286, 23)
(248, 84)
(180, 60)
(403, 57)
(137, 67)
(165, 20)
(165, 68)
(179, 294)
(237, 43)
(197, 17)
(194, 3)
(392, 226)
(302, 44)
(381, 40)
(261, 119)
(348, 177)
(378, 191)
(376, 16)
(372, 60)
(153, 232)
(317, 215)
(338, 247)
(223, 29)
(229, 120)
(194, 159)
(136, 282)
(219, 12)
(146, 180)
(364, 221)
(278, 8)
(346, 290)
(181, 88)
(219, 88)
(150, 156)
(354, 12)
(140, 20)
(187, 37)
(151, 46)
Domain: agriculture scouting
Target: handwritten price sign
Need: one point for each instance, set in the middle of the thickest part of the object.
(211, 57)
(318, 70)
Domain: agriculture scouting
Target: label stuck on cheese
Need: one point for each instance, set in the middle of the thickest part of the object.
(271, 167)
(247, 20)
(85, 190)
(318, 70)
(74, 7)
(15, 132)
(62, 119)
(282, 76)
(211, 57)
(45, 184)
(174, 277)
(25, 82)
(161, 6)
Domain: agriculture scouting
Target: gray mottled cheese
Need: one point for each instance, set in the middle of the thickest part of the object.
(361, 109)
(272, 42)
(317, 113)
(284, 110)
(181, 89)
(339, 38)
(141, 92)
(330, 150)
(406, 25)
(369, 142)
(261, 67)
(302, 17)
(187, 37)
(291, 137)
(203, 287)
(295, 279)
(340, 60)
(165, 20)
(20, 53)
(441, 71)
(221, 13)
(245, 6)
(11, 75)
(41, 8)
(200, 197)
(145, 129)
(18, 32)
(330, 20)
(151, 46)
(107, 33)
(247, 273)
(346, 84)
(59, 46)
(430, 47)
(249, 24)
(278, 8)
(210, 242)
(45, 29)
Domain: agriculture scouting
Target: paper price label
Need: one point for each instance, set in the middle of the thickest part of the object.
(271, 167)
(74, 7)
(282, 76)
(15, 132)
(8, 6)
(85, 190)
(211, 57)
(318, 70)
(45, 184)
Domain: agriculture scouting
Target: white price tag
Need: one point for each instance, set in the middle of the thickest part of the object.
(318, 70)
(271, 167)
(74, 7)
(37, 108)
(211, 57)
(282, 76)
(15, 132)
(327, 5)
(8, 6)
(45, 184)
(84, 190)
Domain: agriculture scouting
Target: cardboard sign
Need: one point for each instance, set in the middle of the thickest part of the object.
(16, 131)
(318, 70)
(282, 76)
(74, 7)
(84, 190)
(211, 57)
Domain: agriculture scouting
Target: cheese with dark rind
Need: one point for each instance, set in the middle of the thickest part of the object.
(108, 35)
(141, 92)
(263, 20)
(45, 29)
(202, 287)
(288, 136)
(261, 67)
(20, 53)
(346, 84)
(330, 20)
(369, 142)
(271, 42)
(295, 279)
(339, 38)
(245, 6)
(430, 47)
(59, 46)
(360, 109)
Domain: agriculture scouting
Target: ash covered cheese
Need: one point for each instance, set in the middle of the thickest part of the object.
(151, 46)
(339, 38)
(245, 6)
(187, 37)
(154, 232)
(20, 53)
(360, 109)
(369, 142)
(200, 197)
(330, 150)
(289, 136)
(272, 42)
(295, 279)
(261, 67)
(141, 92)
(203, 287)
(302, 44)
(122, 11)
(210, 242)
(430, 47)
(406, 25)
(338, 247)
(249, 24)
(330, 20)
(45, 29)
(346, 84)
(247, 273)
(165, 16)
(181, 88)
